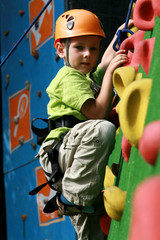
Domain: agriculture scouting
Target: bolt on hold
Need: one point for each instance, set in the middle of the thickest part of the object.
(35, 54)
(6, 33)
(23, 217)
(34, 146)
(16, 119)
(21, 62)
(27, 84)
(21, 12)
(21, 140)
(7, 79)
(39, 93)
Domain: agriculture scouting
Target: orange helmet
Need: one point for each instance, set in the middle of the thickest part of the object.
(77, 22)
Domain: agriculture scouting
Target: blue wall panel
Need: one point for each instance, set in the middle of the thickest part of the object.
(23, 73)
(20, 204)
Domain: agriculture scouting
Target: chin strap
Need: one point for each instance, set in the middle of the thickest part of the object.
(67, 54)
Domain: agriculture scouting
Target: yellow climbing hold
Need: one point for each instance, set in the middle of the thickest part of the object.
(114, 201)
(109, 177)
(132, 109)
(122, 77)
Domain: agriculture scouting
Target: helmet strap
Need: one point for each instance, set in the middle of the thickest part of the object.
(67, 53)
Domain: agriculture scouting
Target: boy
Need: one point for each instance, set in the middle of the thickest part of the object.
(79, 106)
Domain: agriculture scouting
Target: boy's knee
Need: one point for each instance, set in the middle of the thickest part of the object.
(107, 129)
(107, 133)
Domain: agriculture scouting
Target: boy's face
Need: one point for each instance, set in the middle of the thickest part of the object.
(84, 52)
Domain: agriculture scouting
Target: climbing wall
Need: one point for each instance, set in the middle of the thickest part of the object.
(132, 193)
(25, 76)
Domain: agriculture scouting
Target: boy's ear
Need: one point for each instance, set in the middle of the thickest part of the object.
(60, 49)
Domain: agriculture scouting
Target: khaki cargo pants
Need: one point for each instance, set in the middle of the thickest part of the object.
(83, 156)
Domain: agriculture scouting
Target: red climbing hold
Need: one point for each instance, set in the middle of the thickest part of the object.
(105, 221)
(126, 149)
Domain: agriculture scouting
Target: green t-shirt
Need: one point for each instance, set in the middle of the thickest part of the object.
(68, 91)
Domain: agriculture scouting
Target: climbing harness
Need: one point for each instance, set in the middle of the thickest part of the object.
(69, 210)
(56, 174)
(68, 121)
(55, 203)
(122, 34)
(65, 121)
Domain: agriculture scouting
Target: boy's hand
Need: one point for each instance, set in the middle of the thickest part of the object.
(119, 59)
(130, 24)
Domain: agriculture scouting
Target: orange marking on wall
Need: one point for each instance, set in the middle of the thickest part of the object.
(19, 111)
(42, 197)
(43, 29)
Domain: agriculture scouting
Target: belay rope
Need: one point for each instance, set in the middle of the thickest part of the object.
(122, 34)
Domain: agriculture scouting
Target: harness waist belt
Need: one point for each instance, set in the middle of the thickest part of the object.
(68, 121)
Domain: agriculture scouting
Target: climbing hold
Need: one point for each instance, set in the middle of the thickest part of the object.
(133, 29)
(16, 119)
(145, 49)
(39, 93)
(35, 54)
(7, 80)
(113, 118)
(133, 109)
(27, 85)
(27, 36)
(122, 77)
(34, 146)
(105, 222)
(144, 15)
(145, 212)
(21, 62)
(21, 12)
(156, 7)
(149, 143)
(21, 140)
(114, 201)
(130, 45)
(6, 33)
(126, 149)
(109, 177)
(36, 25)
(23, 217)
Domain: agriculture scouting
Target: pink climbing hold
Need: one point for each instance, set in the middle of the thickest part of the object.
(149, 143)
(130, 44)
(156, 7)
(142, 50)
(145, 49)
(144, 15)
(145, 212)
(126, 148)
